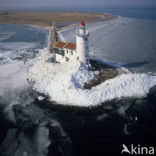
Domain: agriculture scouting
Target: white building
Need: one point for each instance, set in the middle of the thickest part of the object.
(67, 51)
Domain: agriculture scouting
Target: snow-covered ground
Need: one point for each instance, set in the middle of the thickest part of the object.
(121, 41)
(64, 84)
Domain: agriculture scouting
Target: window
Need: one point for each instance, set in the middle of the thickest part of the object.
(59, 51)
(71, 52)
(67, 59)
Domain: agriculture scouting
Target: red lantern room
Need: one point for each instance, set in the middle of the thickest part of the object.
(82, 23)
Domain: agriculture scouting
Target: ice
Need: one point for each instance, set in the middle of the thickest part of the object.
(18, 45)
(5, 35)
(119, 41)
(61, 38)
(13, 75)
(40, 98)
(14, 87)
(64, 84)
(15, 60)
(42, 140)
(125, 41)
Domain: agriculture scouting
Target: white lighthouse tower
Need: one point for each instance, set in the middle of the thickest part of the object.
(82, 47)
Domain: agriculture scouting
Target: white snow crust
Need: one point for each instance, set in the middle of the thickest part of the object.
(63, 83)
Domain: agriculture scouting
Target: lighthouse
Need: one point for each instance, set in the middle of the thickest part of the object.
(71, 52)
(82, 48)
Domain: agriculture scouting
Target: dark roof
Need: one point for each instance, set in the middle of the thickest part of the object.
(70, 46)
(62, 45)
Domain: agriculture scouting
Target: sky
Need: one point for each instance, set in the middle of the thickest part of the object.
(65, 3)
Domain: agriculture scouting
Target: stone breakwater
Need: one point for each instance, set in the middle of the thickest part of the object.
(53, 38)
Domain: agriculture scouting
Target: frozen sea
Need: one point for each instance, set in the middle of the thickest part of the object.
(125, 41)
(129, 42)
(27, 129)
(19, 45)
(15, 40)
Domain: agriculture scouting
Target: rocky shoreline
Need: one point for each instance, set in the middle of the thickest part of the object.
(105, 72)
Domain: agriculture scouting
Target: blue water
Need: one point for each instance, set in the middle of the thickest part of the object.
(133, 12)
(19, 42)
(23, 34)
(137, 11)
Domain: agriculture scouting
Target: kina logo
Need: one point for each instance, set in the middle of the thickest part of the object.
(125, 149)
(137, 150)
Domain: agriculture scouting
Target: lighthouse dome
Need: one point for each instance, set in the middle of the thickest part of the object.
(82, 23)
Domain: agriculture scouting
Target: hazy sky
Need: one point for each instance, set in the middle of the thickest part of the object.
(51, 3)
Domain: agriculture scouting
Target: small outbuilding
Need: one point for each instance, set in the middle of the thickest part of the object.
(65, 51)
